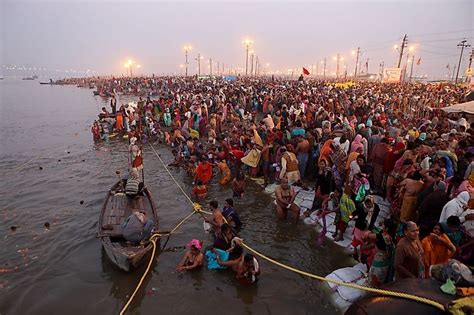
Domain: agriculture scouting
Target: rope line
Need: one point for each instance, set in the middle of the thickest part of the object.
(130, 299)
(198, 209)
(350, 285)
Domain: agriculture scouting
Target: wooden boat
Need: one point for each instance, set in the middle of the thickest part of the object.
(117, 208)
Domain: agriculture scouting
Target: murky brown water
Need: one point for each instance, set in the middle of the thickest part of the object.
(64, 270)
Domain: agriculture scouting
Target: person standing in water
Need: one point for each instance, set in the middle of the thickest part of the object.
(285, 199)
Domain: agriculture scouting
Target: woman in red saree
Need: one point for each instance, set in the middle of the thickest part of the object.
(203, 172)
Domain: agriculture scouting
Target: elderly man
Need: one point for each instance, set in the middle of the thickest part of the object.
(137, 227)
(409, 254)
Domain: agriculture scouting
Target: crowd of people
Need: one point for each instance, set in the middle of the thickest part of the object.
(353, 141)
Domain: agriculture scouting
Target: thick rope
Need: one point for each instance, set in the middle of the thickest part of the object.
(350, 285)
(130, 299)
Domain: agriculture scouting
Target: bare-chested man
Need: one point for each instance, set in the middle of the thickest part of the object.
(302, 153)
(217, 217)
(410, 187)
(285, 199)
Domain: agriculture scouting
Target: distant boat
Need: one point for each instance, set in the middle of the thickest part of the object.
(50, 82)
(34, 77)
(1, 78)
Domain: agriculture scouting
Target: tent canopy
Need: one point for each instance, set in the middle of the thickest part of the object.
(467, 107)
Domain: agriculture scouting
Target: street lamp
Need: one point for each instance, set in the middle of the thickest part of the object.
(126, 66)
(337, 59)
(247, 42)
(129, 65)
(251, 62)
(187, 48)
(199, 58)
(410, 49)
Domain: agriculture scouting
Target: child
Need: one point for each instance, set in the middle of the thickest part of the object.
(224, 172)
(200, 190)
(238, 186)
(346, 207)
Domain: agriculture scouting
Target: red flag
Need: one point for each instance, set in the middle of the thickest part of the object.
(305, 71)
(418, 62)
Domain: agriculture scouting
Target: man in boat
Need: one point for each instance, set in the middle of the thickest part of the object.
(137, 227)
(134, 186)
(104, 113)
(285, 199)
(113, 104)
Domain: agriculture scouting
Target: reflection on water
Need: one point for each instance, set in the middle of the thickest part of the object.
(63, 268)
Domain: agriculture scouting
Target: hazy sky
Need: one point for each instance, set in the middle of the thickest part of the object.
(101, 35)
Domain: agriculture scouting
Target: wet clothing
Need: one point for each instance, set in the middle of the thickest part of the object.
(231, 215)
(204, 172)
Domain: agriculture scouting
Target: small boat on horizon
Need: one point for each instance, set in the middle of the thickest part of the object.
(34, 77)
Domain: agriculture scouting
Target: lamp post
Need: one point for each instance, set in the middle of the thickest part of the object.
(130, 62)
(247, 43)
(199, 58)
(187, 48)
(410, 49)
(357, 54)
(251, 63)
(126, 66)
(138, 69)
(337, 59)
(129, 65)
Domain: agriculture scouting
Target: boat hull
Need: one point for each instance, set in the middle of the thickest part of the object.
(117, 208)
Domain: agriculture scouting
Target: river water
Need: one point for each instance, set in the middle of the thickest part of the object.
(52, 172)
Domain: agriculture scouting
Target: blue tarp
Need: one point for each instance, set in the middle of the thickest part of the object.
(230, 78)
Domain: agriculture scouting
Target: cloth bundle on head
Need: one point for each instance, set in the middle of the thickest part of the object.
(463, 198)
(258, 139)
(195, 243)
(252, 158)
